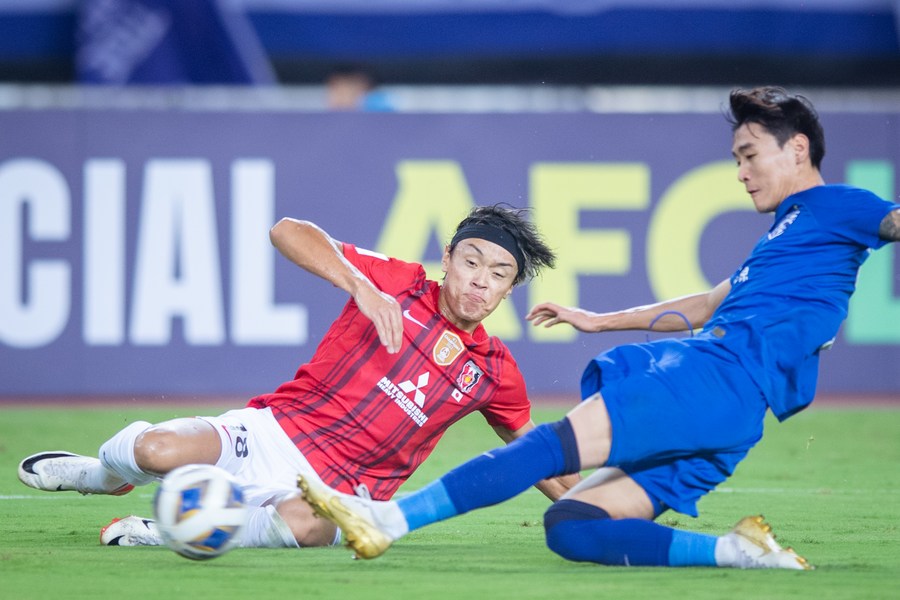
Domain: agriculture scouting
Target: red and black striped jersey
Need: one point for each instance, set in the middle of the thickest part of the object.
(363, 416)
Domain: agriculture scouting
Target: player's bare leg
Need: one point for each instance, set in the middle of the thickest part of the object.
(292, 525)
(369, 526)
(546, 451)
(175, 443)
(136, 455)
(593, 431)
(608, 519)
(304, 524)
(619, 495)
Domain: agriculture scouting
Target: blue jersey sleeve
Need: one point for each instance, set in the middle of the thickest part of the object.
(855, 214)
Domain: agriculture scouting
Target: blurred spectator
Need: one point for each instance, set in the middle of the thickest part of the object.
(354, 89)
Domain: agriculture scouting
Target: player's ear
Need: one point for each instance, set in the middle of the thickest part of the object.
(800, 145)
(445, 259)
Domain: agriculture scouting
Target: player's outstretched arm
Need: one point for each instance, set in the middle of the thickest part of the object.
(308, 246)
(664, 316)
(890, 226)
(549, 314)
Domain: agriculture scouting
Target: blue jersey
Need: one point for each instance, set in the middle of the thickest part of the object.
(685, 411)
(790, 296)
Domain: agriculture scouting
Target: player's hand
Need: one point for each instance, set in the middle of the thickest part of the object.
(549, 314)
(384, 312)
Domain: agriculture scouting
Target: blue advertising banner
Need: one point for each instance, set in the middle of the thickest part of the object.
(149, 42)
(134, 251)
(109, 39)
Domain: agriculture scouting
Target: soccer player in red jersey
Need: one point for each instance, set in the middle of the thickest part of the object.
(406, 358)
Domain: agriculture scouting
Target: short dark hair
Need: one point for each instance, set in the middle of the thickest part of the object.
(536, 253)
(781, 114)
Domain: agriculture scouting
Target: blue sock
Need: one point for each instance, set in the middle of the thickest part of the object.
(547, 451)
(427, 505)
(691, 549)
(583, 532)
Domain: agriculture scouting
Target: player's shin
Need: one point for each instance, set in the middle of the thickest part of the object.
(583, 532)
(547, 451)
(266, 529)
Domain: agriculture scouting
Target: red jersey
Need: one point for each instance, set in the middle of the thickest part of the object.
(363, 416)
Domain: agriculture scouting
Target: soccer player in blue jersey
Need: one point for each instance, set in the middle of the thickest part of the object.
(669, 420)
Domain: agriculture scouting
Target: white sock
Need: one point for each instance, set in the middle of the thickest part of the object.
(266, 529)
(390, 519)
(117, 455)
(727, 552)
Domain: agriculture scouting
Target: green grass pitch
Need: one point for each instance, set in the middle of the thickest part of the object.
(828, 481)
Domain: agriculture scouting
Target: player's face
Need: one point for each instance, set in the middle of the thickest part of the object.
(479, 275)
(770, 173)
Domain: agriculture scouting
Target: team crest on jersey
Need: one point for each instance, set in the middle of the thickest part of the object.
(785, 222)
(470, 375)
(448, 347)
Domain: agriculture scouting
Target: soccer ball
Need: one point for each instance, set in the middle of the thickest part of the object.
(200, 511)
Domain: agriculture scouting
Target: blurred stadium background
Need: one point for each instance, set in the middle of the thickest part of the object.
(843, 43)
(147, 145)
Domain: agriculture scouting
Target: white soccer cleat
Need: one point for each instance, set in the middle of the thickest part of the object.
(59, 471)
(757, 548)
(354, 515)
(131, 531)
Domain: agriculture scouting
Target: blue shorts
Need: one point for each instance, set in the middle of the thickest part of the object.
(683, 415)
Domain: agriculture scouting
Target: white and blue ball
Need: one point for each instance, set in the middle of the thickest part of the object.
(200, 511)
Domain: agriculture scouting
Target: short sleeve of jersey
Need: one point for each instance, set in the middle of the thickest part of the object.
(509, 407)
(390, 275)
(856, 214)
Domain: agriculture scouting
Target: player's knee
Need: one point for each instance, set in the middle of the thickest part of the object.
(156, 451)
(163, 447)
(563, 526)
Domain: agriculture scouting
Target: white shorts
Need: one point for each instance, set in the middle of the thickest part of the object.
(257, 451)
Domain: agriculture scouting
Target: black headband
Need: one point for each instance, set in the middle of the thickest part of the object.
(493, 234)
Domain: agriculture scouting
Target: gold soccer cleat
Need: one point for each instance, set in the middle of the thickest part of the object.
(354, 515)
(758, 549)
